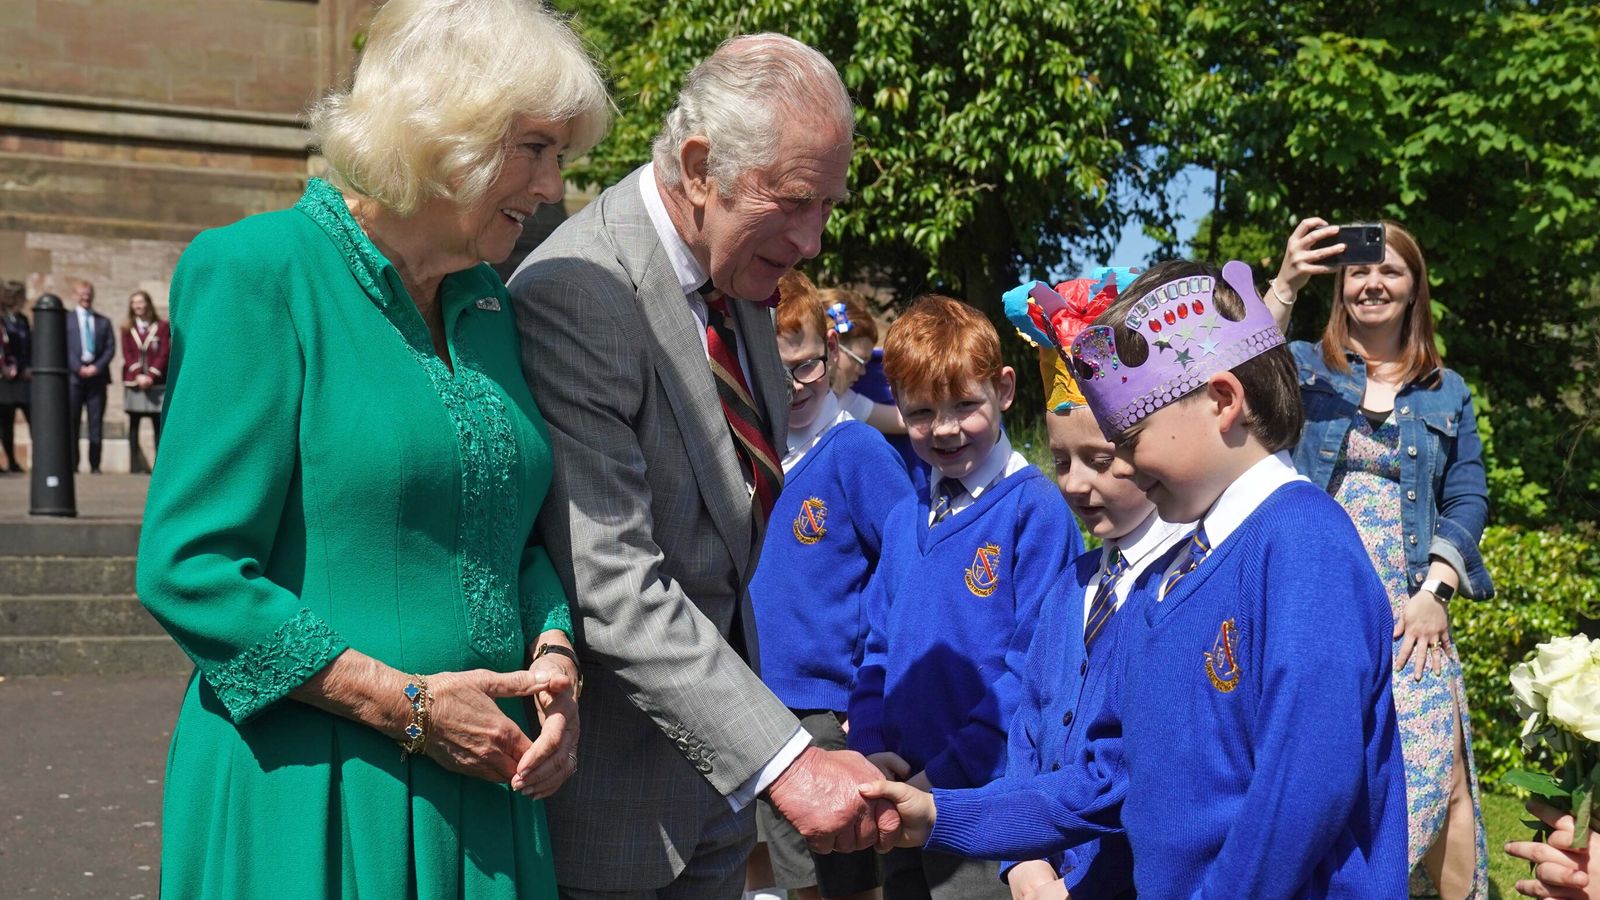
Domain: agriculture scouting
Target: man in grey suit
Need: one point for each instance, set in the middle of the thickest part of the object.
(661, 478)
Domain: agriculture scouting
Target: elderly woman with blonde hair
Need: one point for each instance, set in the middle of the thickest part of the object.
(341, 532)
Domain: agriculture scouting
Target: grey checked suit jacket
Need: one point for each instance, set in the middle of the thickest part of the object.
(649, 524)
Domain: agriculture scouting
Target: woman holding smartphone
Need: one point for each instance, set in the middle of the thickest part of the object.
(1391, 434)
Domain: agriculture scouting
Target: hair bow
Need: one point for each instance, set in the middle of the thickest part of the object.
(840, 314)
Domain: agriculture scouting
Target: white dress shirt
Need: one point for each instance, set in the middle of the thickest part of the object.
(857, 405)
(1001, 463)
(1141, 547)
(1238, 501)
(690, 276)
(802, 440)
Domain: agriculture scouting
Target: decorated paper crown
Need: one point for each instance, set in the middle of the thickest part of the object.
(840, 314)
(1050, 319)
(1190, 340)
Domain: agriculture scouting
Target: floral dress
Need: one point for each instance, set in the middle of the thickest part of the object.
(1366, 482)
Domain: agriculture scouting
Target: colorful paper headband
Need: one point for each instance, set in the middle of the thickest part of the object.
(1189, 339)
(840, 314)
(1050, 319)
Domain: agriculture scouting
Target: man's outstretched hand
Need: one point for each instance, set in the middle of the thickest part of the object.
(819, 796)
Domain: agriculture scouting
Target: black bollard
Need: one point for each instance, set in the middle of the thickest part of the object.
(54, 492)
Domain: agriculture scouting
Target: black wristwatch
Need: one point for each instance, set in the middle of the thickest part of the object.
(559, 650)
(1440, 589)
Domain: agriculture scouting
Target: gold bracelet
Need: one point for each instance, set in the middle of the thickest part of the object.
(416, 733)
(1273, 285)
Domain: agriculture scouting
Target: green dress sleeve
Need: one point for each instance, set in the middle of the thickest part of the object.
(215, 516)
(543, 599)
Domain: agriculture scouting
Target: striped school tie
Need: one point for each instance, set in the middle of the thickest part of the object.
(950, 490)
(1198, 548)
(1105, 598)
(756, 456)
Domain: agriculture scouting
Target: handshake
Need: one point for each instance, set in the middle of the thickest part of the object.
(841, 803)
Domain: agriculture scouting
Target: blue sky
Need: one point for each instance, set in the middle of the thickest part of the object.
(1191, 191)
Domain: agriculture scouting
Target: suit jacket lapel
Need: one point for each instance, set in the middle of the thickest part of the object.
(685, 372)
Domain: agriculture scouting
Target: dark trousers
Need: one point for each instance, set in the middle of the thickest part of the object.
(90, 395)
(8, 430)
(913, 874)
(136, 461)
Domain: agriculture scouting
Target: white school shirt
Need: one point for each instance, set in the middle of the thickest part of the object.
(1237, 502)
(1001, 463)
(802, 441)
(1141, 547)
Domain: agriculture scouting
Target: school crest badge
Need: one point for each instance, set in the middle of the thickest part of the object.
(811, 524)
(1222, 661)
(983, 576)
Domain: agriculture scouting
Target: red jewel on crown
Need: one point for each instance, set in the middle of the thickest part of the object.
(1171, 317)
(1199, 307)
(1155, 326)
(1183, 310)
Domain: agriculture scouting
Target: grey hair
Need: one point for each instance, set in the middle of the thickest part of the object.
(738, 96)
(438, 90)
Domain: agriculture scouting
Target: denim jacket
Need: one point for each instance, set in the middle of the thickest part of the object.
(1446, 496)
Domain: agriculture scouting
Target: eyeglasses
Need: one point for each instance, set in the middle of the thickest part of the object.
(809, 371)
(846, 351)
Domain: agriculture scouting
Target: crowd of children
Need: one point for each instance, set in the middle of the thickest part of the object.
(1184, 708)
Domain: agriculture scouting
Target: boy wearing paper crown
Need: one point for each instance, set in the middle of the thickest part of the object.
(1075, 651)
(964, 570)
(1260, 748)
(821, 548)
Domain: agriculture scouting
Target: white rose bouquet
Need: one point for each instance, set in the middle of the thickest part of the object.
(1557, 693)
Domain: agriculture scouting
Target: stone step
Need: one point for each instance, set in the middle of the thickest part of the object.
(116, 616)
(68, 537)
(57, 655)
(94, 576)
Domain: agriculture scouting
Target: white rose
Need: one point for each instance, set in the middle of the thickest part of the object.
(1528, 700)
(1575, 703)
(1557, 660)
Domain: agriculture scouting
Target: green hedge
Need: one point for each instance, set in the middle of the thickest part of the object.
(1545, 581)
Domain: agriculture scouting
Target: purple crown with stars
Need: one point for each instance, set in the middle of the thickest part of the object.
(1189, 339)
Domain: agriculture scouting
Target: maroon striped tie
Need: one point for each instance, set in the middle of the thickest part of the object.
(756, 455)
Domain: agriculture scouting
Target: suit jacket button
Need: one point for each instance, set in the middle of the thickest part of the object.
(704, 767)
(1066, 719)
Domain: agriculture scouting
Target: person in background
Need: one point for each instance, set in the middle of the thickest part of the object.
(90, 346)
(341, 531)
(1391, 434)
(146, 347)
(16, 367)
(858, 379)
(840, 481)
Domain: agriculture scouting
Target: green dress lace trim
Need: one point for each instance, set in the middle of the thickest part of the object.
(484, 435)
(267, 672)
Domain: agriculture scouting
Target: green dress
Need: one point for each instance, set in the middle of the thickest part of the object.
(327, 482)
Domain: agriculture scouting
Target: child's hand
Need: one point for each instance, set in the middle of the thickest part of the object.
(1025, 878)
(916, 813)
(1050, 890)
(920, 781)
(891, 765)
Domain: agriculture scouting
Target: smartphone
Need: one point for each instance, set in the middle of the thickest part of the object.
(1363, 245)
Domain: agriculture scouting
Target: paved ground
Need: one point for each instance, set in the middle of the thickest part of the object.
(80, 785)
(117, 498)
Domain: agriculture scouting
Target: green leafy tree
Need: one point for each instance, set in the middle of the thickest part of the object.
(1477, 125)
(994, 139)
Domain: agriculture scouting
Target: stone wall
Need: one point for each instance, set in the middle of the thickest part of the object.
(129, 126)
